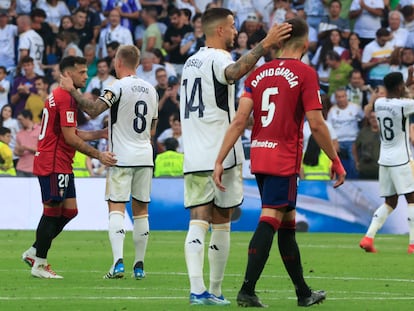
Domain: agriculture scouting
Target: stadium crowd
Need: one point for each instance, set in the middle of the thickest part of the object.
(353, 44)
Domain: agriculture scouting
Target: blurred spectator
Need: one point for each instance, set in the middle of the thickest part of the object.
(334, 21)
(315, 10)
(401, 60)
(376, 57)
(146, 70)
(102, 78)
(316, 165)
(379, 91)
(173, 131)
(160, 60)
(339, 72)
(172, 39)
(114, 31)
(6, 153)
(192, 41)
(128, 9)
(162, 81)
(55, 73)
(367, 15)
(67, 42)
(357, 91)
(345, 117)
(189, 5)
(319, 59)
(279, 12)
(30, 43)
(6, 120)
(89, 52)
(36, 101)
(353, 55)
(253, 28)
(23, 85)
(8, 34)
(82, 165)
(169, 162)
(66, 23)
(39, 24)
(82, 28)
(111, 48)
(398, 33)
(55, 9)
(241, 9)
(26, 143)
(93, 19)
(366, 149)
(4, 87)
(152, 38)
(168, 104)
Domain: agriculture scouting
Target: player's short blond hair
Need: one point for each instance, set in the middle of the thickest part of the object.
(130, 55)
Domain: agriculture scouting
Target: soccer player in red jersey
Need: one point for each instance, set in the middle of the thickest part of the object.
(280, 94)
(58, 141)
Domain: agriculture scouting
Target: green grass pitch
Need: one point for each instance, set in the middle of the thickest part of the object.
(353, 279)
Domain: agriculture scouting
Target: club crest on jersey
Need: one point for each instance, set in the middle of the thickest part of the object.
(70, 116)
(109, 96)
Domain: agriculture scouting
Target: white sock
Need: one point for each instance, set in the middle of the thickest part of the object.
(39, 261)
(140, 237)
(116, 234)
(410, 213)
(31, 251)
(380, 216)
(218, 253)
(194, 254)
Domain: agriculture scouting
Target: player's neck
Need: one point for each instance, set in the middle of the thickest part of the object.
(291, 54)
(126, 73)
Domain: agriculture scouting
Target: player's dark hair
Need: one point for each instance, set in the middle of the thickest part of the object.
(70, 62)
(213, 15)
(299, 32)
(393, 80)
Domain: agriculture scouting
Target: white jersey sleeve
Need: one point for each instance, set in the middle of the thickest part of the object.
(392, 115)
(207, 107)
(134, 106)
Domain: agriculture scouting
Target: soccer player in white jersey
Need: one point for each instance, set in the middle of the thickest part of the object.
(132, 121)
(207, 107)
(396, 173)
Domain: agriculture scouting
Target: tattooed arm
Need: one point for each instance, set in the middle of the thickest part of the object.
(92, 108)
(276, 35)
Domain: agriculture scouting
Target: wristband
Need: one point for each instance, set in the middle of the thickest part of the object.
(337, 166)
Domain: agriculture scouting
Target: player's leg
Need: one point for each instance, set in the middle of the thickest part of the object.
(198, 198)
(219, 246)
(274, 194)
(290, 254)
(117, 194)
(140, 189)
(387, 190)
(55, 188)
(410, 213)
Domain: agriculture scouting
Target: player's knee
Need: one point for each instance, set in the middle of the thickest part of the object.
(69, 212)
(51, 210)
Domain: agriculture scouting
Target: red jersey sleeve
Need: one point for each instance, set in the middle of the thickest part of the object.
(311, 97)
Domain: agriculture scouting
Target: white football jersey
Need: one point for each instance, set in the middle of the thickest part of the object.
(32, 41)
(134, 105)
(207, 108)
(392, 115)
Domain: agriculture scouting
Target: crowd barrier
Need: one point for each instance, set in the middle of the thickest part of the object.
(320, 208)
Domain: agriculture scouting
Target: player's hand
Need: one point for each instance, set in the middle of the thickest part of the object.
(107, 158)
(217, 174)
(277, 34)
(66, 83)
(338, 171)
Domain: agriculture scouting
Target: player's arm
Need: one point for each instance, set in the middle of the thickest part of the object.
(73, 140)
(321, 134)
(92, 108)
(276, 35)
(93, 135)
(153, 127)
(234, 131)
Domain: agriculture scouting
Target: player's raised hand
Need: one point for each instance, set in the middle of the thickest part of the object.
(338, 172)
(277, 34)
(107, 158)
(66, 83)
(217, 174)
